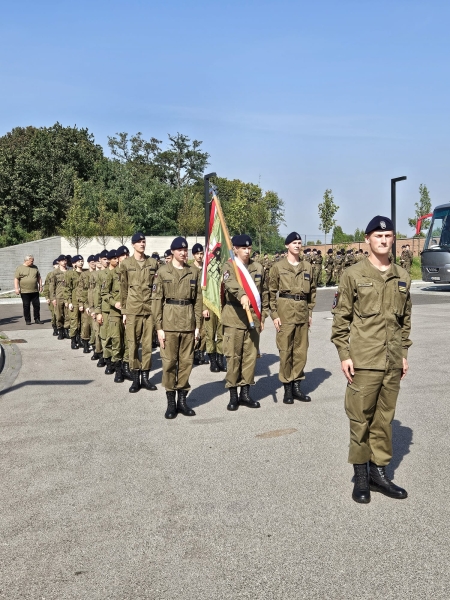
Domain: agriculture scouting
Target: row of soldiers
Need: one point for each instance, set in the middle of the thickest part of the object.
(116, 305)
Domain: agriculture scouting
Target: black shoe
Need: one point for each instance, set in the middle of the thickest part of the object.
(297, 392)
(136, 385)
(171, 411)
(118, 377)
(244, 398)
(28, 322)
(288, 398)
(85, 346)
(126, 371)
(233, 404)
(55, 330)
(213, 366)
(200, 357)
(110, 367)
(101, 361)
(79, 341)
(73, 343)
(66, 334)
(379, 482)
(95, 356)
(361, 489)
(196, 357)
(61, 334)
(146, 383)
(205, 358)
(182, 406)
(221, 362)
(38, 322)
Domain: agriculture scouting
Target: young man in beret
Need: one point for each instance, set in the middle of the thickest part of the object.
(82, 299)
(177, 301)
(46, 291)
(56, 292)
(240, 342)
(329, 267)
(137, 277)
(95, 340)
(200, 357)
(371, 327)
(101, 310)
(292, 299)
(338, 267)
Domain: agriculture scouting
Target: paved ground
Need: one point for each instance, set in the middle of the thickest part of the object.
(102, 498)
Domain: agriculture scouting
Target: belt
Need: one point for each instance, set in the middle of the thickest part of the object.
(234, 303)
(178, 302)
(293, 296)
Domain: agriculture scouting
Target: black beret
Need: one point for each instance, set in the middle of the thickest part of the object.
(112, 254)
(97, 257)
(307, 250)
(90, 258)
(276, 252)
(137, 237)
(197, 248)
(122, 250)
(349, 251)
(241, 241)
(319, 251)
(379, 223)
(76, 258)
(155, 255)
(339, 252)
(167, 253)
(179, 243)
(55, 262)
(330, 251)
(61, 257)
(103, 254)
(292, 237)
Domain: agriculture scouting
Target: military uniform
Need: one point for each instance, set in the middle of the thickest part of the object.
(101, 307)
(329, 268)
(406, 260)
(82, 303)
(110, 292)
(57, 286)
(338, 267)
(95, 339)
(46, 292)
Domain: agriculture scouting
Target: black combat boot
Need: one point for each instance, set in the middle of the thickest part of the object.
(118, 377)
(66, 333)
(136, 385)
(221, 362)
(126, 371)
(171, 411)
(55, 330)
(205, 358)
(61, 334)
(361, 490)
(288, 397)
(379, 482)
(73, 343)
(297, 392)
(213, 366)
(85, 346)
(101, 360)
(95, 356)
(244, 398)
(110, 368)
(146, 383)
(38, 321)
(182, 406)
(196, 357)
(79, 341)
(233, 404)
(200, 358)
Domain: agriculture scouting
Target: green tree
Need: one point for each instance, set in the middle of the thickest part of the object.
(260, 219)
(423, 207)
(191, 215)
(327, 210)
(121, 225)
(104, 224)
(339, 237)
(77, 227)
(359, 235)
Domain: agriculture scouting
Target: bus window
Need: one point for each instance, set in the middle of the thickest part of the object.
(439, 232)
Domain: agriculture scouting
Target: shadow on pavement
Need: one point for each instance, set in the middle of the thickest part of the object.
(402, 439)
(314, 379)
(45, 382)
(9, 321)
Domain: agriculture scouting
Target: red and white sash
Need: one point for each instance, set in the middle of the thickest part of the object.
(250, 288)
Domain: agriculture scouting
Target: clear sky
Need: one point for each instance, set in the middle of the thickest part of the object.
(299, 95)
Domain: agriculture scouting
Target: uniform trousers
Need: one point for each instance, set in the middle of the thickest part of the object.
(177, 359)
(95, 336)
(292, 344)
(53, 313)
(329, 273)
(115, 337)
(86, 324)
(75, 321)
(103, 332)
(139, 329)
(240, 346)
(370, 403)
(214, 334)
(62, 314)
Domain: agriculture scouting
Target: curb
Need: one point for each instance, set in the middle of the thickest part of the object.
(10, 364)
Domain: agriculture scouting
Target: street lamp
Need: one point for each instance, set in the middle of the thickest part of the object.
(206, 179)
(394, 213)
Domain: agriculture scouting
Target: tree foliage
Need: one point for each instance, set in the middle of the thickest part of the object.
(77, 227)
(423, 207)
(191, 215)
(327, 210)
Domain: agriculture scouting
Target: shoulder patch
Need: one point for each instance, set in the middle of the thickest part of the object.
(154, 287)
(226, 275)
(336, 299)
(307, 276)
(402, 286)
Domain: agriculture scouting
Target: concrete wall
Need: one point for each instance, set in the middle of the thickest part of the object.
(44, 252)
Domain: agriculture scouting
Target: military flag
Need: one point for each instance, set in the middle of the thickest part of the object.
(215, 256)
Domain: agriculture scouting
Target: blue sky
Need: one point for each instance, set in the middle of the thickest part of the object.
(301, 96)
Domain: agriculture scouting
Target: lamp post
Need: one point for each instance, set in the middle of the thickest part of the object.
(394, 213)
(206, 179)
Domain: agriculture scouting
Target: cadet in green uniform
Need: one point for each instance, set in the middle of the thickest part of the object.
(71, 299)
(115, 324)
(200, 357)
(292, 300)
(329, 267)
(83, 305)
(46, 291)
(115, 297)
(240, 342)
(101, 309)
(168, 256)
(137, 275)
(319, 262)
(338, 266)
(177, 300)
(408, 259)
(95, 340)
(371, 327)
(56, 292)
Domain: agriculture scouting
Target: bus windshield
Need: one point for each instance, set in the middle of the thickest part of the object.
(439, 233)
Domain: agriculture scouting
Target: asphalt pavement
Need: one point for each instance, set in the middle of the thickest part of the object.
(102, 498)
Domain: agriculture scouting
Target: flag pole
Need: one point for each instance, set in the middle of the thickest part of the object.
(230, 250)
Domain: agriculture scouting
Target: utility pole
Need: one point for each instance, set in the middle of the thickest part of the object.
(394, 212)
(206, 179)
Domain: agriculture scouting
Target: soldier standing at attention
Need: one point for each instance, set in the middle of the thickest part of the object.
(71, 299)
(319, 262)
(115, 297)
(240, 342)
(168, 256)
(95, 340)
(177, 300)
(338, 266)
(102, 310)
(329, 267)
(83, 304)
(371, 327)
(292, 300)
(408, 259)
(56, 291)
(137, 276)
(200, 357)
(46, 291)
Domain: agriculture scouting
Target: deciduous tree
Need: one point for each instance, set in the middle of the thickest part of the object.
(423, 207)
(327, 210)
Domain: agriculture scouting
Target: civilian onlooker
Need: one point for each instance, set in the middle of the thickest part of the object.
(28, 284)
